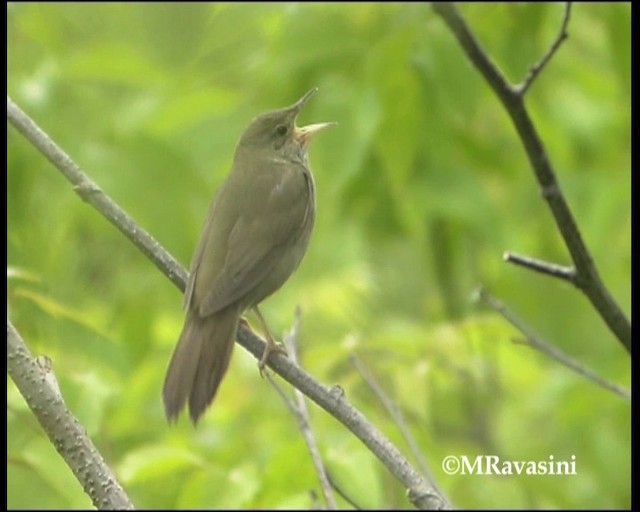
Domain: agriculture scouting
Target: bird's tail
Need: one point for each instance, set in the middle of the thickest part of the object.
(199, 362)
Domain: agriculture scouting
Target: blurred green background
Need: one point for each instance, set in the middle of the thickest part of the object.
(421, 188)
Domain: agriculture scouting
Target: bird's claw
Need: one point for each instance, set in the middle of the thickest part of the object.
(270, 348)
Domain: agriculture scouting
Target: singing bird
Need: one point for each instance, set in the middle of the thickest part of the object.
(254, 237)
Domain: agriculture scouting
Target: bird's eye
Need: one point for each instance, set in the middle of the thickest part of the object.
(282, 129)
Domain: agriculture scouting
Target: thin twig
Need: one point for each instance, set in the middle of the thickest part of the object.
(535, 70)
(533, 340)
(333, 400)
(395, 412)
(37, 384)
(587, 279)
(420, 492)
(342, 493)
(283, 394)
(307, 433)
(292, 406)
(544, 267)
(304, 421)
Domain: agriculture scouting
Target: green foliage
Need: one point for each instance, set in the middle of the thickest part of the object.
(421, 188)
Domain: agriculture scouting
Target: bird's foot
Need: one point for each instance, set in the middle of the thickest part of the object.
(269, 349)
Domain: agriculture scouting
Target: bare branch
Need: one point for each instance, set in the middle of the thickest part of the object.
(533, 340)
(395, 412)
(37, 384)
(302, 413)
(419, 491)
(342, 493)
(283, 394)
(91, 193)
(587, 277)
(535, 70)
(544, 267)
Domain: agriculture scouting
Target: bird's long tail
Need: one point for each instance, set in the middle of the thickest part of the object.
(199, 362)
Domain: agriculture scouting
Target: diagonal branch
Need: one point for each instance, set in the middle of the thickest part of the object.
(396, 413)
(89, 191)
(534, 341)
(39, 389)
(333, 400)
(419, 491)
(535, 70)
(301, 412)
(587, 277)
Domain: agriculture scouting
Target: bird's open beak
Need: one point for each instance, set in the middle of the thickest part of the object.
(305, 133)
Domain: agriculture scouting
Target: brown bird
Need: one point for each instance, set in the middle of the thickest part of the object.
(255, 235)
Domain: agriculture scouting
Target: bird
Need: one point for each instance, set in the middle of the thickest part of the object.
(255, 235)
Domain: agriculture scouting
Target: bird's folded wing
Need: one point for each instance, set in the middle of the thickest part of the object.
(257, 242)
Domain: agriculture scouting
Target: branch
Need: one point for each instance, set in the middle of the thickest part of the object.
(301, 412)
(89, 191)
(587, 277)
(419, 491)
(536, 342)
(535, 70)
(544, 267)
(39, 388)
(290, 342)
(395, 412)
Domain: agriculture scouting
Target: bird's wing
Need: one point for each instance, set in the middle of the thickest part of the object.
(205, 239)
(258, 238)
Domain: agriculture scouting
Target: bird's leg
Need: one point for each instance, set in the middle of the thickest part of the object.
(272, 346)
